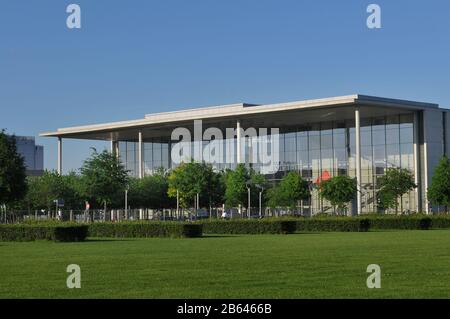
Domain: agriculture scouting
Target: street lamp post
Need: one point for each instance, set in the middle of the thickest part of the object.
(248, 191)
(249, 183)
(261, 190)
(178, 203)
(126, 202)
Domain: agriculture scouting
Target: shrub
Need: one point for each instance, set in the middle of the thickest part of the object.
(29, 232)
(440, 221)
(69, 233)
(341, 224)
(145, 229)
(252, 226)
(401, 222)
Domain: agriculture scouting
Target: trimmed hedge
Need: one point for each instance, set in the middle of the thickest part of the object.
(418, 221)
(337, 224)
(440, 221)
(145, 229)
(25, 232)
(252, 226)
(362, 223)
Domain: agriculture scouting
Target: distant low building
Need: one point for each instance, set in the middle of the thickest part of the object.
(33, 154)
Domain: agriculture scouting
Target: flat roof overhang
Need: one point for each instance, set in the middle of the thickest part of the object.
(251, 115)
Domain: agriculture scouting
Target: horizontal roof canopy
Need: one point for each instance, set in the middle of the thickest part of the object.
(269, 115)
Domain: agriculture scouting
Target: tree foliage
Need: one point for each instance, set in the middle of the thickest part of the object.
(44, 190)
(13, 185)
(150, 191)
(439, 190)
(289, 191)
(338, 190)
(392, 185)
(193, 178)
(236, 183)
(104, 179)
(236, 189)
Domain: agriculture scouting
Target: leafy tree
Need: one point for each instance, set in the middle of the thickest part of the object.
(338, 190)
(44, 190)
(104, 178)
(236, 183)
(13, 185)
(393, 184)
(289, 191)
(215, 187)
(236, 187)
(73, 191)
(150, 191)
(189, 179)
(258, 182)
(439, 190)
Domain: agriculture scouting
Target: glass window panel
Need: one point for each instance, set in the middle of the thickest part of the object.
(366, 137)
(366, 157)
(339, 138)
(130, 147)
(379, 153)
(302, 143)
(327, 160)
(290, 143)
(314, 142)
(393, 155)
(407, 157)
(406, 134)
(379, 137)
(157, 152)
(148, 155)
(340, 155)
(326, 141)
(352, 141)
(392, 134)
(148, 146)
(302, 158)
(315, 162)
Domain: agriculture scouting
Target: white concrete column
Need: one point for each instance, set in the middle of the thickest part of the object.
(115, 148)
(358, 160)
(140, 156)
(59, 168)
(238, 141)
(417, 160)
(169, 146)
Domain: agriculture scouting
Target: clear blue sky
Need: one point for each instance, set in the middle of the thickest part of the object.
(136, 57)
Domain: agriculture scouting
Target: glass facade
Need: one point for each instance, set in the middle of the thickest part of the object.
(317, 151)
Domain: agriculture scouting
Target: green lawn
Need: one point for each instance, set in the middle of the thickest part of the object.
(414, 264)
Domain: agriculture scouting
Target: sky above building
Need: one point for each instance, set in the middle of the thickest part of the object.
(131, 58)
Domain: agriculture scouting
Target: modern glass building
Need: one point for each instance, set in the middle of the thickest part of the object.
(360, 136)
(32, 154)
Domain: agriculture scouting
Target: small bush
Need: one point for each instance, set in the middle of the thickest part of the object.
(145, 229)
(27, 232)
(252, 226)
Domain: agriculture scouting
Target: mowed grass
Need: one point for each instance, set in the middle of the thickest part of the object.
(414, 264)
